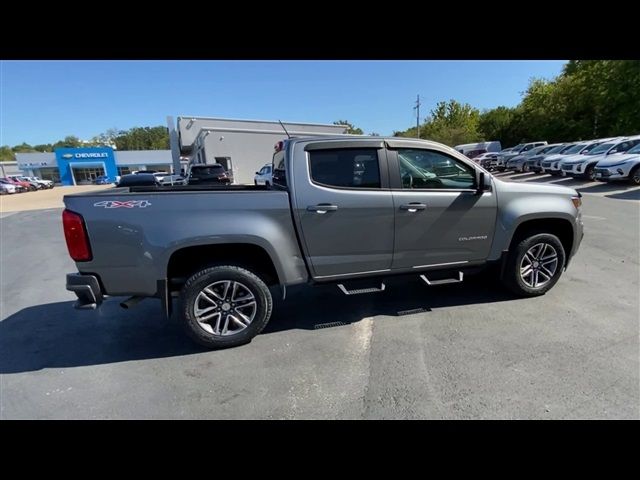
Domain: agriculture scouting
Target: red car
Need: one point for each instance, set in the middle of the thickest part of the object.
(25, 185)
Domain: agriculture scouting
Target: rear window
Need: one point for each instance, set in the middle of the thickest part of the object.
(208, 170)
(345, 168)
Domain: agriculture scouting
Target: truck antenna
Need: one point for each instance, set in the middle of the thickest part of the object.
(285, 130)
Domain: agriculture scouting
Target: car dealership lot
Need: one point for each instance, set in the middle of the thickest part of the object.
(459, 351)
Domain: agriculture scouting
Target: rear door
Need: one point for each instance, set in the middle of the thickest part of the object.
(439, 218)
(343, 206)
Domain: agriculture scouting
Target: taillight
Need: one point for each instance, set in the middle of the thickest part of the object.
(76, 236)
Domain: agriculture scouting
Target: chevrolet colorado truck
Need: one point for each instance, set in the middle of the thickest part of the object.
(343, 210)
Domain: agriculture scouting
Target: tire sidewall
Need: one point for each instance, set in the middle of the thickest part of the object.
(514, 280)
(205, 277)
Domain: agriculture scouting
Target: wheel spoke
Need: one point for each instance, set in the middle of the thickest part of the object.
(233, 291)
(526, 270)
(240, 319)
(226, 290)
(549, 259)
(200, 312)
(535, 278)
(211, 292)
(544, 274)
(546, 271)
(244, 301)
(208, 295)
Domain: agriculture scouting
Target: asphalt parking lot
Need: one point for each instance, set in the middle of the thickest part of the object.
(466, 351)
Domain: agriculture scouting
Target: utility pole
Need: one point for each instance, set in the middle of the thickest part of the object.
(417, 109)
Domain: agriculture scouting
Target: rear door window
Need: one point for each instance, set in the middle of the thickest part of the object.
(345, 168)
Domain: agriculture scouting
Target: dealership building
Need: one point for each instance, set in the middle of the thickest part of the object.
(80, 166)
(241, 146)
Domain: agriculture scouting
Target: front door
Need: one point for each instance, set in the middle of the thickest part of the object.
(345, 209)
(439, 218)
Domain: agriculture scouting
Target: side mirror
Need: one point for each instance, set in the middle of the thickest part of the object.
(257, 173)
(481, 187)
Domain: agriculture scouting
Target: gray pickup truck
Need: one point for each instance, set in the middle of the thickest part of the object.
(344, 210)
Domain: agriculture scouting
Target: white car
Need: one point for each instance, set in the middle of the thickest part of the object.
(625, 166)
(7, 189)
(172, 179)
(584, 165)
(40, 181)
(263, 177)
(553, 164)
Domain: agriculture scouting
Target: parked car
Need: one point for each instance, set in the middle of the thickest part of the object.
(533, 163)
(330, 218)
(102, 180)
(263, 177)
(20, 186)
(625, 166)
(485, 159)
(583, 166)
(138, 180)
(32, 186)
(519, 162)
(472, 150)
(173, 180)
(44, 183)
(552, 164)
(33, 183)
(504, 157)
(213, 174)
(7, 188)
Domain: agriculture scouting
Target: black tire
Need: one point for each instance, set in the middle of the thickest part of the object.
(267, 184)
(511, 275)
(203, 278)
(32, 188)
(525, 168)
(634, 175)
(255, 182)
(589, 173)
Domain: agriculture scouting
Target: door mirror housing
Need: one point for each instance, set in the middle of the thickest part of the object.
(481, 185)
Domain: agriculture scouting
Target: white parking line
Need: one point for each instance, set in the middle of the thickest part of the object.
(593, 217)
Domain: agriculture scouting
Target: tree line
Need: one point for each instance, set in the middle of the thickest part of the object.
(137, 138)
(589, 99)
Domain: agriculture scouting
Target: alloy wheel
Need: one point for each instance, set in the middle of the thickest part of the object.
(539, 265)
(225, 307)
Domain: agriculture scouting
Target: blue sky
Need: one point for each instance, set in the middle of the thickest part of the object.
(43, 101)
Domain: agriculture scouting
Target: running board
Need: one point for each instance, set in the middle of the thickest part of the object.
(360, 291)
(443, 281)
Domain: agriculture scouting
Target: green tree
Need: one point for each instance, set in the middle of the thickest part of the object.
(143, 138)
(43, 147)
(350, 127)
(70, 141)
(6, 154)
(23, 148)
(452, 123)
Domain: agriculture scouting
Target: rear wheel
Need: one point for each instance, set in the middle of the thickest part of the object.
(225, 306)
(535, 265)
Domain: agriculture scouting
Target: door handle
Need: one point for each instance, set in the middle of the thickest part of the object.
(413, 207)
(322, 208)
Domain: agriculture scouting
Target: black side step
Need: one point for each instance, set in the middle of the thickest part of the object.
(359, 291)
(443, 281)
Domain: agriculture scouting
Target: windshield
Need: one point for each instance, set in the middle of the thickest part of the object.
(557, 149)
(635, 149)
(517, 147)
(576, 148)
(603, 148)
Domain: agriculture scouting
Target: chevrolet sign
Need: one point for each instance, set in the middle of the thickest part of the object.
(89, 155)
(67, 155)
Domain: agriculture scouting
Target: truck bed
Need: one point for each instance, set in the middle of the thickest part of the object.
(134, 231)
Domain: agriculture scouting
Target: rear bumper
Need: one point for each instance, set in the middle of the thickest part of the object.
(86, 288)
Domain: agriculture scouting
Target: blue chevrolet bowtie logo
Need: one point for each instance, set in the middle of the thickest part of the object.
(67, 155)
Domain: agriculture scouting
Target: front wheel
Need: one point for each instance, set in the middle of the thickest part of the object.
(634, 176)
(535, 265)
(590, 173)
(225, 306)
